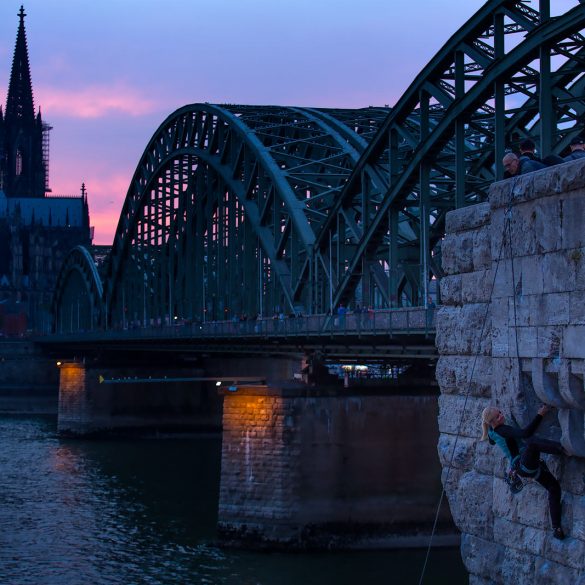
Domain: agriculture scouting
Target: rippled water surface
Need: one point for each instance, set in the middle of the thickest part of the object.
(143, 511)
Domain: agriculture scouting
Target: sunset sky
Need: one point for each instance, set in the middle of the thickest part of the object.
(107, 73)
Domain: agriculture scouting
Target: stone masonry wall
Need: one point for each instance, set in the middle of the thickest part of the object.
(512, 333)
(329, 469)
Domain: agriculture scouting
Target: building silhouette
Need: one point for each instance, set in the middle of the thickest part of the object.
(37, 229)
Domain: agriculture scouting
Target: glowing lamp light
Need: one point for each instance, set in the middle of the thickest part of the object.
(218, 383)
(59, 364)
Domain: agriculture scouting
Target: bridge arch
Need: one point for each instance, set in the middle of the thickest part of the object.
(509, 73)
(223, 211)
(77, 302)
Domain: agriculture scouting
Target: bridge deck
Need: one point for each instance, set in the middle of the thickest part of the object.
(376, 335)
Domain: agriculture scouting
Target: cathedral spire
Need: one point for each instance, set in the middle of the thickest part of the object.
(19, 103)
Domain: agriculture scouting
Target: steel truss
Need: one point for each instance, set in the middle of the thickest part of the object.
(77, 302)
(223, 211)
(245, 210)
(509, 73)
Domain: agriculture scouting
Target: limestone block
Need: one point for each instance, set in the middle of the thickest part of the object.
(473, 511)
(570, 552)
(481, 556)
(476, 287)
(505, 502)
(464, 374)
(552, 309)
(519, 536)
(458, 416)
(456, 451)
(577, 308)
(529, 274)
(546, 229)
(482, 255)
(550, 573)
(507, 388)
(532, 506)
(521, 230)
(488, 460)
(529, 227)
(517, 567)
(451, 290)
(522, 310)
(502, 193)
(578, 528)
(446, 373)
(573, 220)
(560, 270)
(501, 330)
(457, 253)
(573, 345)
(467, 218)
(574, 481)
(464, 330)
(450, 478)
(499, 235)
(577, 261)
(548, 342)
(502, 275)
(527, 341)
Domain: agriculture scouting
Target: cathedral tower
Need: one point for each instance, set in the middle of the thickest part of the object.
(23, 168)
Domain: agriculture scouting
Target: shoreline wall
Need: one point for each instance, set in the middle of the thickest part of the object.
(512, 333)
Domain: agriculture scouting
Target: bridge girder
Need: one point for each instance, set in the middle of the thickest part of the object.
(223, 211)
(510, 72)
(254, 209)
(77, 302)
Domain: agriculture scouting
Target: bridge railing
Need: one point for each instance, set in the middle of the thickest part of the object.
(382, 322)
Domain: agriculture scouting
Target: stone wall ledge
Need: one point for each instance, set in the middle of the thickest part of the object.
(563, 178)
(467, 218)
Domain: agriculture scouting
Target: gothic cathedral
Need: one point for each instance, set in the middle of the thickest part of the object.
(37, 229)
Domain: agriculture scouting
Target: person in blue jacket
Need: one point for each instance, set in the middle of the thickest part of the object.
(523, 451)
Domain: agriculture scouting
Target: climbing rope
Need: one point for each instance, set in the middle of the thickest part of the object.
(507, 227)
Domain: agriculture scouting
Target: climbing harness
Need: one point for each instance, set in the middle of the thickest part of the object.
(508, 216)
(514, 481)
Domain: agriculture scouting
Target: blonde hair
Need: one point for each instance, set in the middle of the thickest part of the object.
(488, 416)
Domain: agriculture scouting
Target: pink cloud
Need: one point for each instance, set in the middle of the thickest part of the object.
(97, 101)
(105, 195)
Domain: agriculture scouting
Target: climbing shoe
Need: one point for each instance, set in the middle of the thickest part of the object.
(558, 533)
(514, 481)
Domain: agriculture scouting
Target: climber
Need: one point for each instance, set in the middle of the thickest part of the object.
(525, 457)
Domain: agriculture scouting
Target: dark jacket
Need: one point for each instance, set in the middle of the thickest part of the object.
(509, 439)
(528, 165)
(575, 155)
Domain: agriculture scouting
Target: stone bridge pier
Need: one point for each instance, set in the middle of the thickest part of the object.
(101, 398)
(306, 462)
(512, 333)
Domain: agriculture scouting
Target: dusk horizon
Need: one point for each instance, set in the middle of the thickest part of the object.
(105, 100)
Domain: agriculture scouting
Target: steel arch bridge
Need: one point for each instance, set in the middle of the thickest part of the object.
(256, 209)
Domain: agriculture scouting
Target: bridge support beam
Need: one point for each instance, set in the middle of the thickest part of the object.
(328, 468)
(100, 399)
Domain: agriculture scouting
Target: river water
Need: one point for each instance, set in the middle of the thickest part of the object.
(143, 511)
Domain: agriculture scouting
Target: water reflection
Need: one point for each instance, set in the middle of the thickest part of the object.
(144, 511)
